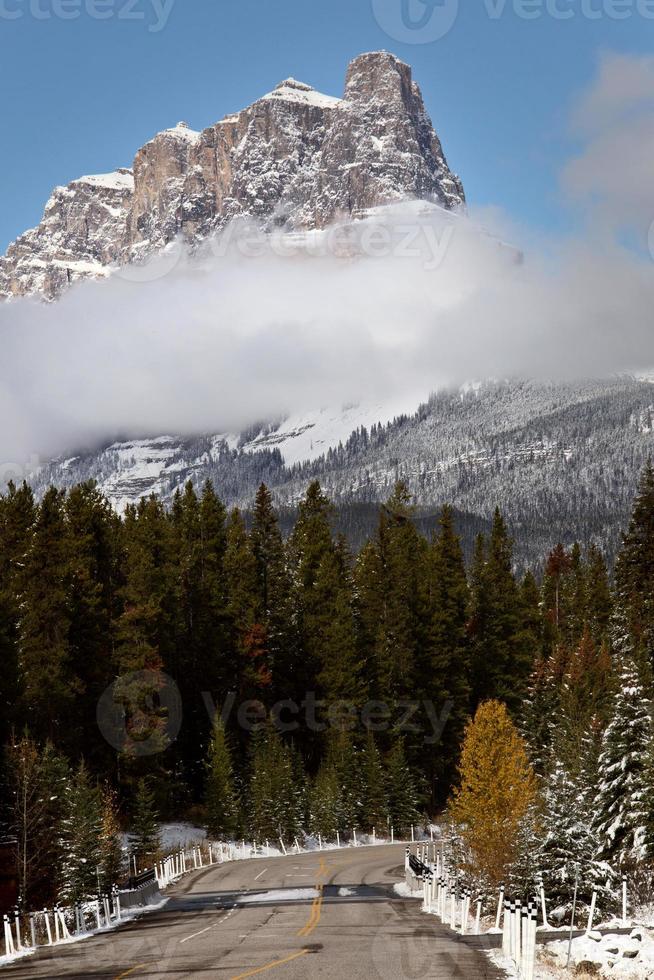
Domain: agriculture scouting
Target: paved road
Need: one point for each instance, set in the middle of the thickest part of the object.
(221, 923)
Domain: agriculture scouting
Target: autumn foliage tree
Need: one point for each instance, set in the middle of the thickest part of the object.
(497, 789)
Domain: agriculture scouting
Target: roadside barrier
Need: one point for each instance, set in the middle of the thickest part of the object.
(447, 895)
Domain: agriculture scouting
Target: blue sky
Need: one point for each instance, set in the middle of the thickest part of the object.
(81, 94)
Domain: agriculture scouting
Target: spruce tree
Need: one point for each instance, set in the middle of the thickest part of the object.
(333, 624)
(623, 801)
(569, 843)
(374, 800)
(144, 832)
(503, 649)
(37, 782)
(402, 794)
(112, 860)
(220, 793)
(80, 840)
(444, 660)
(17, 513)
(634, 622)
(275, 796)
(47, 670)
(391, 586)
(325, 806)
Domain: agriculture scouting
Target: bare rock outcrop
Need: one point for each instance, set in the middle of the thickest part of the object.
(295, 158)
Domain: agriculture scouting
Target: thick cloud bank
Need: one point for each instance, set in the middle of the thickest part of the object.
(407, 301)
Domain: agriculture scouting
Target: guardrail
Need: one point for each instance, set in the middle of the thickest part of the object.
(446, 895)
(26, 931)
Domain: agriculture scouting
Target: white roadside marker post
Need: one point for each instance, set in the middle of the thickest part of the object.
(500, 905)
(624, 900)
(478, 917)
(591, 914)
(572, 918)
(9, 939)
(543, 903)
(47, 926)
(505, 931)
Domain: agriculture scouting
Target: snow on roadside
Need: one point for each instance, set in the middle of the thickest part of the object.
(126, 916)
(402, 889)
(629, 957)
(278, 895)
(176, 835)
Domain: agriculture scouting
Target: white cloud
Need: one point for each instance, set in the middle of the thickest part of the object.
(217, 344)
(613, 175)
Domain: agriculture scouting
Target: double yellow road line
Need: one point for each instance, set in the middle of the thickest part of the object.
(316, 908)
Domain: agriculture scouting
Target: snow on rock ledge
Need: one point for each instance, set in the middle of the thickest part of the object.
(295, 155)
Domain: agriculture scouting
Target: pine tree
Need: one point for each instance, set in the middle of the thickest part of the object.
(275, 797)
(402, 795)
(334, 628)
(93, 581)
(496, 790)
(220, 794)
(503, 649)
(17, 514)
(569, 844)
(623, 802)
(344, 758)
(37, 781)
(374, 801)
(635, 575)
(325, 807)
(112, 861)
(47, 679)
(445, 659)
(391, 586)
(145, 638)
(276, 599)
(80, 840)
(145, 835)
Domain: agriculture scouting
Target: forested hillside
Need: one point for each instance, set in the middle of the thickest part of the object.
(561, 460)
(175, 660)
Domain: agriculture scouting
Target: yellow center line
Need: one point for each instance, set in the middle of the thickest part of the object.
(316, 908)
(272, 965)
(127, 973)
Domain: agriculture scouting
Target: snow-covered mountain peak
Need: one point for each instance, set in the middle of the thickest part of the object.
(313, 158)
(291, 90)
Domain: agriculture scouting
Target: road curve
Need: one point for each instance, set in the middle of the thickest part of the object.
(331, 914)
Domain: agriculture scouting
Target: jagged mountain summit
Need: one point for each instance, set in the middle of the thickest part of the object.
(295, 158)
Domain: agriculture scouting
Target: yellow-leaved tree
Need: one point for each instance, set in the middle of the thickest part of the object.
(495, 795)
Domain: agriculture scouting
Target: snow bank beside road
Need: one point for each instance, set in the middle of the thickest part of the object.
(629, 957)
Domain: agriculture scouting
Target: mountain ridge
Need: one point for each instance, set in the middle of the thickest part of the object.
(294, 158)
(561, 460)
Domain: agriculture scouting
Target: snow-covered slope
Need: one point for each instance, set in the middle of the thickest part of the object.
(560, 459)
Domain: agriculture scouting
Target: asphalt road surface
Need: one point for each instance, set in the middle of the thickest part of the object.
(325, 914)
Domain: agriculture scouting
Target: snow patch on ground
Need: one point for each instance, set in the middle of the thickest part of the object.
(175, 835)
(402, 889)
(279, 895)
(126, 916)
(630, 957)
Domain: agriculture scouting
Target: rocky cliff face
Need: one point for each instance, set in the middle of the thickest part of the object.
(295, 158)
